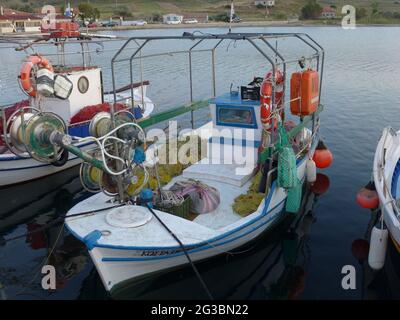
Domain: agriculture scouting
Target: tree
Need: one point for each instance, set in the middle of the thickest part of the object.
(375, 7)
(88, 12)
(312, 10)
(223, 17)
(123, 12)
(361, 13)
(156, 17)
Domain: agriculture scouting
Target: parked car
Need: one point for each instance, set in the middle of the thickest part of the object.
(190, 21)
(236, 19)
(173, 22)
(93, 25)
(139, 23)
(110, 24)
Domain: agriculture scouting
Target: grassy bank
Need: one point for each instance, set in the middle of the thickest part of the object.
(310, 23)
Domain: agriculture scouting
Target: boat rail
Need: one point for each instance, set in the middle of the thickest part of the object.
(259, 41)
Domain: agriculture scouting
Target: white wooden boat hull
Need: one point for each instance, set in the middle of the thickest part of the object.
(14, 169)
(385, 163)
(118, 264)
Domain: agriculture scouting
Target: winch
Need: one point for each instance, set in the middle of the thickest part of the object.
(111, 165)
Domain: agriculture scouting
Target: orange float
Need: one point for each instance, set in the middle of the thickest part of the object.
(26, 69)
(367, 197)
(323, 158)
(360, 249)
(321, 184)
(304, 92)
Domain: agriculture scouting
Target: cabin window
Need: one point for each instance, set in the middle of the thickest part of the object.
(83, 84)
(236, 117)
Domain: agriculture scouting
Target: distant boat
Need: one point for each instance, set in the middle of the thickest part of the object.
(82, 97)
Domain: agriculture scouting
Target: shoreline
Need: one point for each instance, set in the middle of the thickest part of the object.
(249, 24)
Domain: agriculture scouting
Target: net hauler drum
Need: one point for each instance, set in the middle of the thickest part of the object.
(304, 92)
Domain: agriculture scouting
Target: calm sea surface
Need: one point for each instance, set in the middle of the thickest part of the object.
(302, 258)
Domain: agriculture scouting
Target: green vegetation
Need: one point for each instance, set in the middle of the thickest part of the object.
(368, 11)
(123, 12)
(312, 10)
(88, 12)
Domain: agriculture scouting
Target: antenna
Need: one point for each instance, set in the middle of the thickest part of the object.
(232, 13)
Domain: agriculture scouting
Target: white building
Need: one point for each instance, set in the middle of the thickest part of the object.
(18, 21)
(172, 18)
(265, 3)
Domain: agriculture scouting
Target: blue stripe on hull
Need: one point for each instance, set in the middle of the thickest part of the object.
(203, 247)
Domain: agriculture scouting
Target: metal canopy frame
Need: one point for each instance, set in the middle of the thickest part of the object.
(276, 60)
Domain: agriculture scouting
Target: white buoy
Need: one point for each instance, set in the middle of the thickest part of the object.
(311, 171)
(45, 82)
(377, 249)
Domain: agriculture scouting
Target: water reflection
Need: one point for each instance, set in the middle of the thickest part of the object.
(272, 267)
(378, 284)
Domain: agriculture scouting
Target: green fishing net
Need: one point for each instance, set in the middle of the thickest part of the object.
(293, 200)
(287, 171)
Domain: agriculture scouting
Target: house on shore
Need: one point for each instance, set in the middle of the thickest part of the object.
(265, 3)
(18, 21)
(172, 18)
(328, 13)
(12, 21)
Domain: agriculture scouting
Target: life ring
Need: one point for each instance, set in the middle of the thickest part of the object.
(26, 69)
(266, 97)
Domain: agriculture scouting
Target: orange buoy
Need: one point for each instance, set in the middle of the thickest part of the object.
(321, 184)
(360, 249)
(367, 197)
(323, 158)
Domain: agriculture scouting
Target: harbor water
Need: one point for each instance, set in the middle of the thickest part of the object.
(303, 257)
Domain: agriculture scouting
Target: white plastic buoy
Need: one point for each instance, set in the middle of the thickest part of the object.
(62, 87)
(311, 171)
(45, 82)
(377, 249)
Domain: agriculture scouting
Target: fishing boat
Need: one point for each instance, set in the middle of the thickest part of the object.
(75, 92)
(154, 216)
(383, 193)
(272, 267)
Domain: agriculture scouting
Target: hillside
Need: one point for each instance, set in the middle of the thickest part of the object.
(244, 8)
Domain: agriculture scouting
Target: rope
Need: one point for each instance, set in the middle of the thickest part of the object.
(185, 252)
(45, 260)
